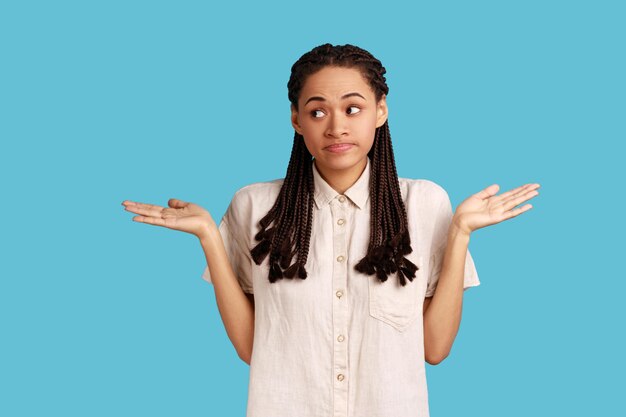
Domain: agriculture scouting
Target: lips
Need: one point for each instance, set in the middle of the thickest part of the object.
(339, 147)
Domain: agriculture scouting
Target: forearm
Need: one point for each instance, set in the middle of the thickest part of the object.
(235, 308)
(442, 318)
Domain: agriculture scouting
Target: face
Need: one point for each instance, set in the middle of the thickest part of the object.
(338, 116)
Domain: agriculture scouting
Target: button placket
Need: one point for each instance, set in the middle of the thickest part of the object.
(338, 209)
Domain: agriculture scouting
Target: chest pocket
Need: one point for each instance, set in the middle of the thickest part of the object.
(394, 304)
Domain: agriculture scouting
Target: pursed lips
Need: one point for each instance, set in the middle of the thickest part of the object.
(339, 145)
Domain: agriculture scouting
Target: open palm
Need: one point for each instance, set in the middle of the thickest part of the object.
(485, 208)
(180, 215)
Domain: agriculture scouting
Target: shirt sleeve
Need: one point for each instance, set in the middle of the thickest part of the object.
(239, 257)
(442, 221)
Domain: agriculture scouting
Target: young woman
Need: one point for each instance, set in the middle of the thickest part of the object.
(337, 282)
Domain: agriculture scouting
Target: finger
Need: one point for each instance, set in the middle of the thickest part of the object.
(516, 212)
(488, 192)
(512, 193)
(175, 203)
(143, 206)
(514, 201)
(155, 221)
(149, 210)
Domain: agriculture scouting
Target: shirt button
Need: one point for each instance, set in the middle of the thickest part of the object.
(340, 222)
(340, 258)
(339, 294)
(342, 199)
(341, 338)
(340, 377)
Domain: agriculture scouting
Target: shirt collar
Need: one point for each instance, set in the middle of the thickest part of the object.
(358, 193)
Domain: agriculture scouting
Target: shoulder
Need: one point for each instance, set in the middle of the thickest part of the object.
(422, 190)
(255, 192)
(428, 207)
(253, 201)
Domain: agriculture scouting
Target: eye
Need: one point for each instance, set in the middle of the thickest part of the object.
(354, 107)
(313, 113)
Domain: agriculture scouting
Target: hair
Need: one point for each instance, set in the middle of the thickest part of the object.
(291, 217)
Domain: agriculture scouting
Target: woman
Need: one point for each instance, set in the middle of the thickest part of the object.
(301, 265)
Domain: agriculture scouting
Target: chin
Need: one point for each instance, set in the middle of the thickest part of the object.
(339, 162)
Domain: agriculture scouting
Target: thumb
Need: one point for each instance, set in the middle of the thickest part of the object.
(175, 203)
(488, 192)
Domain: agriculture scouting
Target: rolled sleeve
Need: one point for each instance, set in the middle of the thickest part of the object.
(443, 219)
(240, 259)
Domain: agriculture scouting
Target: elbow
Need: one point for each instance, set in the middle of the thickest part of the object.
(245, 356)
(436, 359)
(244, 349)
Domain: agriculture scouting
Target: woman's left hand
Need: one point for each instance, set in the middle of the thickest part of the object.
(485, 208)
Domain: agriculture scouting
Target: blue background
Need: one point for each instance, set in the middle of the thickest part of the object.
(106, 101)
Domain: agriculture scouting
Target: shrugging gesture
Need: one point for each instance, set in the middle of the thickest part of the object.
(442, 312)
(485, 208)
(180, 215)
(236, 308)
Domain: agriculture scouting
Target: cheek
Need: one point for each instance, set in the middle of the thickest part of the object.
(311, 146)
(367, 129)
(310, 128)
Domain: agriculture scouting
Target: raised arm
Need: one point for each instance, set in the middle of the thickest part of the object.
(235, 307)
(442, 312)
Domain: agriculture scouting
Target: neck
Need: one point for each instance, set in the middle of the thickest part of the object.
(341, 180)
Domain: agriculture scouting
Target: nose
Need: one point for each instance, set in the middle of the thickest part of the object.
(337, 126)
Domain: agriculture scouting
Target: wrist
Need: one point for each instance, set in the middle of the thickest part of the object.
(458, 228)
(208, 232)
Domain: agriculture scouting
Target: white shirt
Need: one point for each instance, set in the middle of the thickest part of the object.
(340, 343)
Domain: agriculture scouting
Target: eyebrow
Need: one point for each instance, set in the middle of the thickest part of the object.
(317, 98)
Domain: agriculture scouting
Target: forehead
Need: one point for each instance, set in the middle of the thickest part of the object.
(333, 82)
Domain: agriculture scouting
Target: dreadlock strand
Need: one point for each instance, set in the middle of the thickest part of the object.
(308, 225)
(294, 220)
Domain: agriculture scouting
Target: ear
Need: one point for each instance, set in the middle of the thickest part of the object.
(294, 119)
(381, 111)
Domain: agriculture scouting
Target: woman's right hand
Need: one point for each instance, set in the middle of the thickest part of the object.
(180, 215)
